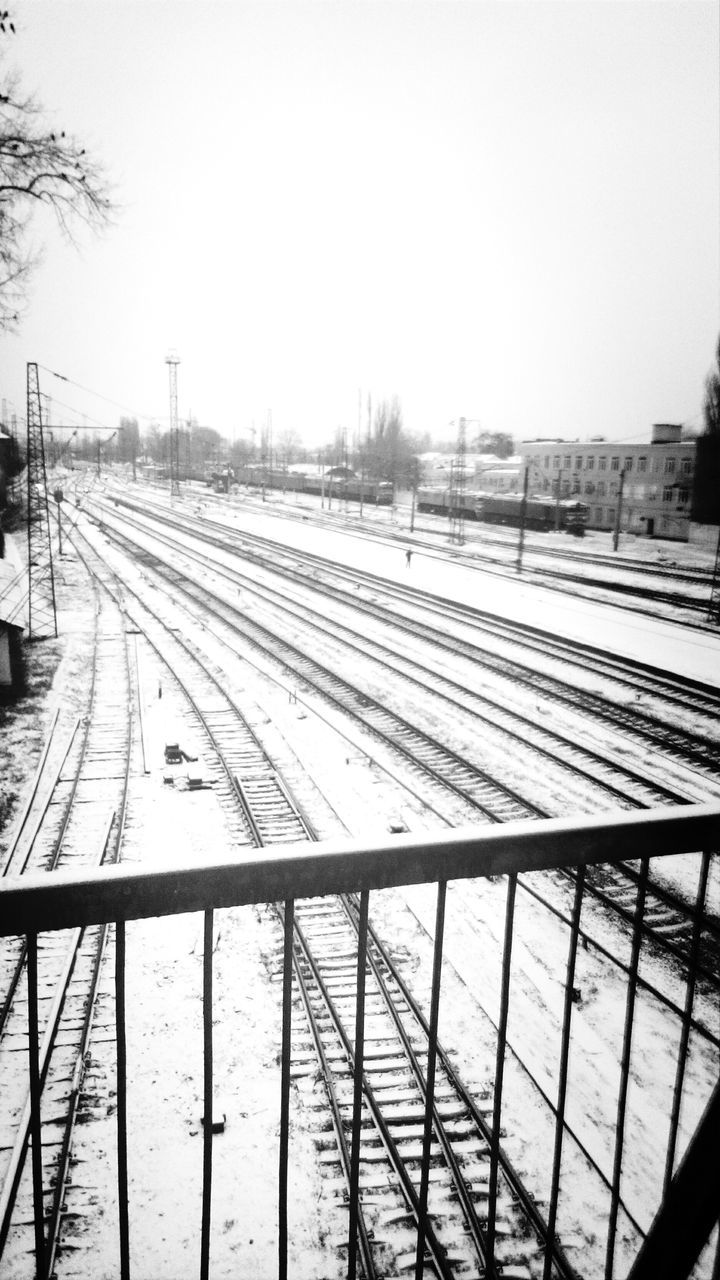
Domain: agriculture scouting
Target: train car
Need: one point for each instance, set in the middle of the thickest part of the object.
(540, 513)
(436, 501)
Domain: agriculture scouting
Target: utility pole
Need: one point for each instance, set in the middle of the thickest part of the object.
(523, 513)
(714, 606)
(456, 495)
(172, 361)
(42, 613)
(618, 509)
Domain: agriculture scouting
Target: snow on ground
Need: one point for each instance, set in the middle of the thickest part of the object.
(164, 968)
(662, 643)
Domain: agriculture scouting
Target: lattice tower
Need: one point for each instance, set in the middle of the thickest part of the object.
(42, 613)
(456, 496)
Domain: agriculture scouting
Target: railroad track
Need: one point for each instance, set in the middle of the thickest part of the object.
(669, 924)
(456, 1237)
(275, 557)
(74, 816)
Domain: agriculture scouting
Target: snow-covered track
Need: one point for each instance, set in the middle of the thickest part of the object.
(464, 1148)
(669, 925)
(395, 1065)
(75, 817)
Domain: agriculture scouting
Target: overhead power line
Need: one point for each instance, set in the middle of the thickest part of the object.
(149, 417)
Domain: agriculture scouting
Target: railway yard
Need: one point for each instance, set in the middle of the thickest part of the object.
(232, 674)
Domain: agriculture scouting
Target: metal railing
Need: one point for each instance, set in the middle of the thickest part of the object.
(32, 905)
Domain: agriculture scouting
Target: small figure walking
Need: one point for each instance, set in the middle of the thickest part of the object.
(408, 558)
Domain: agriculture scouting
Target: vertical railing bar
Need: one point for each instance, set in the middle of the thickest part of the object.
(207, 1094)
(358, 1083)
(430, 1078)
(35, 1120)
(121, 1051)
(625, 1066)
(687, 1017)
(500, 1066)
(563, 1071)
(285, 1090)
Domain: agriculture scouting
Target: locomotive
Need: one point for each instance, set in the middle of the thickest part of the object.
(505, 508)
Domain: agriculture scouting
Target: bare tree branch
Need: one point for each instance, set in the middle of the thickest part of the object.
(39, 167)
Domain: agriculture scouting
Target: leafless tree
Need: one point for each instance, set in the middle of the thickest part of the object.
(39, 167)
(711, 405)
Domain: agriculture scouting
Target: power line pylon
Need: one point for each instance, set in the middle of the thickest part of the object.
(456, 496)
(42, 613)
(173, 361)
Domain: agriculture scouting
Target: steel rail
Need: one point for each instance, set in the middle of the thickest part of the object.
(389, 656)
(20, 821)
(463, 1193)
(436, 1250)
(665, 943)
(515, 1181)
(524, 635)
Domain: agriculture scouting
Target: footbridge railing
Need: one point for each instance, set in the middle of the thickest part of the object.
(683, 1223)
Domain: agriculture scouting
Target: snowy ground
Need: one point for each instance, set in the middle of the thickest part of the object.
(164, 962)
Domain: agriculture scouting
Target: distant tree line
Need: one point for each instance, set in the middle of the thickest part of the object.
(384, 451)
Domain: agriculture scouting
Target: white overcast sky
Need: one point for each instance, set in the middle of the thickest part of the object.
(508, 211)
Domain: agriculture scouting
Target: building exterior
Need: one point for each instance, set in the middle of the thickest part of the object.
(652, 483)
(499, 475)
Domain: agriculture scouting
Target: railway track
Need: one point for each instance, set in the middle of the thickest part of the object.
(270, 555)
(478, 536)
(74, 816)
(669, 925)
(394, 1083)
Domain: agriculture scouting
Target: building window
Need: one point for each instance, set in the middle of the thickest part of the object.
(602, 464)
(642, 464)
(578, 462)
(601, 489)
(686, 466)
(589, 487)
(614, 464)
(566, 462)
(598, 515)
(683, 496)
(576, 484)
(590, 463)
(628, 465)
(566, 488)
(556, 462)
(669, 466)
(667, 493)
(610, 519)
(547, 461)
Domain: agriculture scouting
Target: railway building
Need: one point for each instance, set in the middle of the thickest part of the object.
(652, 483)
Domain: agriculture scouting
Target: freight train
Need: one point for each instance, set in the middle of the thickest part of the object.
(346, 487)
(505, 508)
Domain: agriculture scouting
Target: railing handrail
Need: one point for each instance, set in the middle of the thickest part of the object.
(62, 899)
